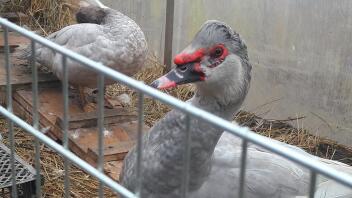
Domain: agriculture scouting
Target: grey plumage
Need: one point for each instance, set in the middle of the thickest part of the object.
(215, 156)
(104, 35)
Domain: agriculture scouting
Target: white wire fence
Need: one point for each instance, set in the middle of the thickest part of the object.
(247, 136)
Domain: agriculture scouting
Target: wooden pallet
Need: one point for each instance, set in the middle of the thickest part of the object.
(14, 39)
(114, 152)
(120, 124)
(21, 77)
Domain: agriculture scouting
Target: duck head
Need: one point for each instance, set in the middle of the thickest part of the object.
(216, 57)
(91, 14)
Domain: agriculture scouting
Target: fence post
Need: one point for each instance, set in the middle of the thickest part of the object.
(169, 28)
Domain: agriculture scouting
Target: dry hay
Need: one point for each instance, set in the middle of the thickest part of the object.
(14, 5)
(283, 131)
(46, 16)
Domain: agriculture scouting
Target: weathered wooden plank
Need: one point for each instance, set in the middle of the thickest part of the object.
(113, 169)
(26, 115)
(21, 76)
(15, 40)
(90, 119)
(112, 152)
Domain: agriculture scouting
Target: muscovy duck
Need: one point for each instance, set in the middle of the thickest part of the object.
(103, 35)
(216, 61)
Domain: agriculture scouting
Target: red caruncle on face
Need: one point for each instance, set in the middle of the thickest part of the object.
(216, 54)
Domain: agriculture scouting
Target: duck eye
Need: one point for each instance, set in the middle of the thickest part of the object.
(218, 52)
(182, 68)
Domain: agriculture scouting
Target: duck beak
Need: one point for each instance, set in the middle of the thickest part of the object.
(182, 74)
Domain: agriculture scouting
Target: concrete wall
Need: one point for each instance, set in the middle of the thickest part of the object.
(300, 49)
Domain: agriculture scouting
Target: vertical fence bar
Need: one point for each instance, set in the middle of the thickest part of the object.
(169, 28)
(101, 130)
(139, 142)
(9, 108)
(313, 180)
(241, 193)
(186, 158)
(35, 118)
(65, 125)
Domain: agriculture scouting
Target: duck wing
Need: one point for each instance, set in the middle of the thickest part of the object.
(329, 188)
(79, 38)
(267, 175)
(72, 37)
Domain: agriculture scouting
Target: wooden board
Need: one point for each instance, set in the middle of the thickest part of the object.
(113, 169)
(119, 136)
(27, 116)
(21, 77)
(15, 40)
(114, 152)
(89, 119)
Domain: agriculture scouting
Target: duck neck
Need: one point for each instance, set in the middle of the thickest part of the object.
(165, 144)
(221, 104)
(221, 99)
(225, 104)
(204, 137)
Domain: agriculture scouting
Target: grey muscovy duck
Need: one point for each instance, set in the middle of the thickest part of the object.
(217, 62)
(103, 35)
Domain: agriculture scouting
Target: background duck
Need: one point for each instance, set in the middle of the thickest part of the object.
(103, 35)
